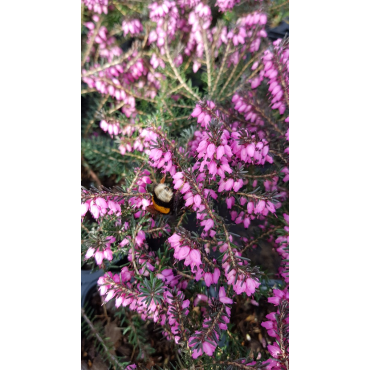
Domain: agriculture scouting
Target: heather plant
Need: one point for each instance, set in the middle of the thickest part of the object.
(192, 93)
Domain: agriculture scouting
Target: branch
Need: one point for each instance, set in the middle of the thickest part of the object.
(240, 58)
(247, 64)
(207, 59)
(101, 104)
(130, 155)
(91, 173)
(115, 62)
(254, 196)
(113, 194)
(222, 65)
(86, 91)
(119, 87)
(252, 242)
(268, 175)
(183, 84)
(91, 41)
(235, 364)
(137, 229)
(279, 5)
(101, 340)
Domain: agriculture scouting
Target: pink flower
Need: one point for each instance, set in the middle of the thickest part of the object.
(250, 207)
(178, 183)
(196, 352)
(251, 149)
(221, 187)
(140, 237)
(246, 222)
(270, 206)
(251, 286)
(90, 252)
(208, 348)
(230, 202)
(208, 278)
(197, 200)
(109, 295)
(222, 296)
(274, 350)
(99, 257)
(84, 209)
(124, 242)
(131, 367)
(220, 151)
(108, 255)
(267, 324)
(229, 184)
(195, 257)
(260, 206)
(189, 199)
(211, 150)
(100, 202)
(196, 66)
(199, 298)
(183, 252)
(216, 275)
(238, 184)
(178, 175)
(185, 188)
(212, 168)
(94, 209)
(208, 224)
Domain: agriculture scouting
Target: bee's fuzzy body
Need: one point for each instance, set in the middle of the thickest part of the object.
(165, 201)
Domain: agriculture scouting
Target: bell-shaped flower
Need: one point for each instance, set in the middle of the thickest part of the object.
(230, 202)
(220, 152)
(90, 252)
(195, 257)
(208, 348)
(197, 200)
(260, 206)
(108, 255)
(229, 184)
(99, 257)
(183, 253)
(211, 150)
(208, 279)
(216, 275)
(189, 198)
(84, 209)
(208, 224)
(251, 149)
(222, 296)
(274, 350)
(238, 185)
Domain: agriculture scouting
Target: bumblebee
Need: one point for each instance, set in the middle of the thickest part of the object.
(165, 200)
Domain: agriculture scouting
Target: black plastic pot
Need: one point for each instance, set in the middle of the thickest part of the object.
(88, 284)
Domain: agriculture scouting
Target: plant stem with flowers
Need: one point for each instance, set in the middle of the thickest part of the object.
(223, 146)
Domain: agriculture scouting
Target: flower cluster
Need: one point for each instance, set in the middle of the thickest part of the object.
(99, 207)
(97, 6)
(113, 128)
(191, 256)
(133, 27)
(225, 5)
(276, 70)
(223, 147)
(205, 340)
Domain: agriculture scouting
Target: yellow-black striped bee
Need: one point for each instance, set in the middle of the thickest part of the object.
(165, 200)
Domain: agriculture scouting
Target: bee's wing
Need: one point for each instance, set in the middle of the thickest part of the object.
(152, 210)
